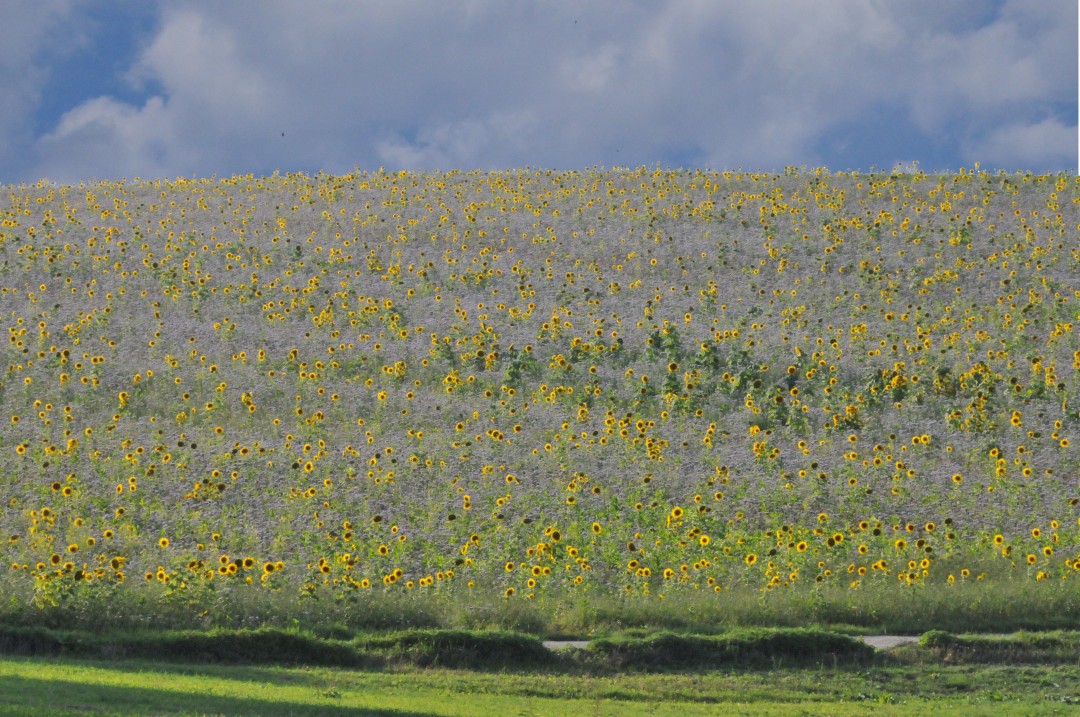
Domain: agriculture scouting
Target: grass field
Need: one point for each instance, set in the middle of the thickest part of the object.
(912, 685)
(563, 403)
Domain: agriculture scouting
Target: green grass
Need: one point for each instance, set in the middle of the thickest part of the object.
(250, 646)
(762, 648)
(448, 648)
(974, 606)
(629, 650)
(457, 648)
(63, 688)
(1017, 649)
(746, 672)
(423, 648)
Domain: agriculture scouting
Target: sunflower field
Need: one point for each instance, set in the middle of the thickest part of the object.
(525, 384)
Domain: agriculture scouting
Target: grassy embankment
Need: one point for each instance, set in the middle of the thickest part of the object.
(752, 673)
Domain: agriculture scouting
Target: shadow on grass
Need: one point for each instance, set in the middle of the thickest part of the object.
(21, 695)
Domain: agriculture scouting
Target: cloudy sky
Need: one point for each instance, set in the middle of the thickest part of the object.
(108, 89)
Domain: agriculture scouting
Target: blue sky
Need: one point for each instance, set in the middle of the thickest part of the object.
(111, 89)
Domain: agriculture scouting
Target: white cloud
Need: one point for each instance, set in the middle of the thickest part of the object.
(754, 84)
(1041, 146)
(493, 84)
(997, 68)
(104, 138)
(590, 72)
(211, 110)
(500, 138)
(31, 30)
(204, 74)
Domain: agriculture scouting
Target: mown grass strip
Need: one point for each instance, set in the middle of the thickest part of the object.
(459, 649)
(1022, 648)
(60, 688)
(262, 646)
(751, 648)
(744, 648)
(444, 648)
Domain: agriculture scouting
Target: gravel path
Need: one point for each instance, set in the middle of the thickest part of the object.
(879, 642)
(884, 642)
(566, 644)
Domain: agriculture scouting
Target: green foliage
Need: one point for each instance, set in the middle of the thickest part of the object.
(744, 649)
(459, 649)
(260, 646)
(1021, 648)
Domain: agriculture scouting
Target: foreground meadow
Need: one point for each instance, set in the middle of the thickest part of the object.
(65, 688)
(527, 398)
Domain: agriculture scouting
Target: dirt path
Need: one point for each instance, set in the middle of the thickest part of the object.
(879, 642)
(885, 642)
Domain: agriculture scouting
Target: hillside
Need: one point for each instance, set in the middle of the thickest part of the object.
(531, 384)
